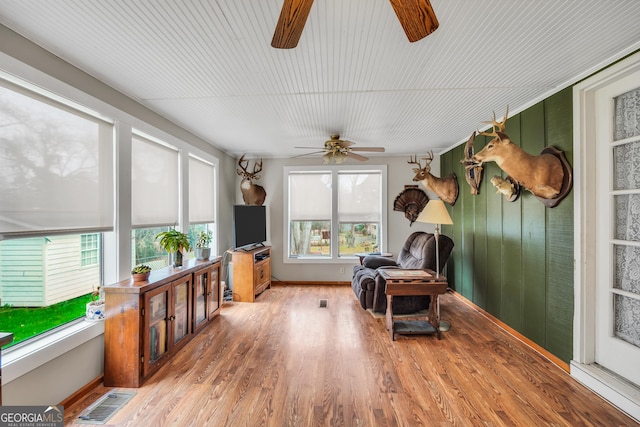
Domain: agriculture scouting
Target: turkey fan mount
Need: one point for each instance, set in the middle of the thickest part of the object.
(411, 201)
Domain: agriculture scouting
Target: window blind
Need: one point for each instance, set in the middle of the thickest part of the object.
(201, 191)
(154, 184)
(56, 167)
(309, 196)
(359, 197)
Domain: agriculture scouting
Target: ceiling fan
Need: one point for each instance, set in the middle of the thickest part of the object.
(337, 150)
(416, 17)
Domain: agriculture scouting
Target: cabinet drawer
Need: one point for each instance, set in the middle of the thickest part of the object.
(261, 274)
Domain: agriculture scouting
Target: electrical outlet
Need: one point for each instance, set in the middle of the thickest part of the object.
(342, 270)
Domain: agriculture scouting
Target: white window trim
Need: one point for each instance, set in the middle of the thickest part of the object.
(35, 352)
(334, 169)
(583, 366)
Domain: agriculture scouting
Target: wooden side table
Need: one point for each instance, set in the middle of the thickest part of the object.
(409, 283)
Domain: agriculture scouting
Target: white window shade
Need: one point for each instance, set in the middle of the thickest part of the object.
(201, 192)
(310, 196)
(154, 184)
(56, 167)
(359, 197)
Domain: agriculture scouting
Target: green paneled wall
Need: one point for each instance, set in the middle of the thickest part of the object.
(515, 259)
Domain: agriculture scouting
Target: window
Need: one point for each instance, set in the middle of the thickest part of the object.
(194, 235)
(146, 250)
(359, 211)
(89, 249)
(46, 281)
(334, 212)
(57, 167)
(155, 199)
(201, 202)
(56, 197)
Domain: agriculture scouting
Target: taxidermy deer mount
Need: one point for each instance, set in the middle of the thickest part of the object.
(547, 176)
(445, 188)
(473, 170)
(252, 194)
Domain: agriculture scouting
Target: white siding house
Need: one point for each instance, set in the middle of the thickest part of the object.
(44, 271)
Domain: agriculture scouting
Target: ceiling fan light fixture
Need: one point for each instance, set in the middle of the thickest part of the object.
(326, 158)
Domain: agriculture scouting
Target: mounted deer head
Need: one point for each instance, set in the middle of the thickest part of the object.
(252, 194)
(542, 175)
(473, 170)
(445, 188)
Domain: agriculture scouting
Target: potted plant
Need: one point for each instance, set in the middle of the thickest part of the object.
(141, 273)
(174, 241)
(203, 251)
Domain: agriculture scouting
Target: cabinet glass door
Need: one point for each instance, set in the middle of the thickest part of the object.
(199, 297)
(157, 326)
(181, 311)
(213, 292)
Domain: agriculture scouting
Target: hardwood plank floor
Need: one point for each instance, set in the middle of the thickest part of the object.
(284, 361)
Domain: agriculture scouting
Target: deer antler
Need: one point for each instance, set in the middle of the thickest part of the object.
(429, 157)
(257, 168)
(496, 124)
(242, 172)
(413, 160)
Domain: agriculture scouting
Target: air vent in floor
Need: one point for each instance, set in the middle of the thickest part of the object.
(104, 408)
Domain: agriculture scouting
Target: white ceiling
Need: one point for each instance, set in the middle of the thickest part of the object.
(208, 66)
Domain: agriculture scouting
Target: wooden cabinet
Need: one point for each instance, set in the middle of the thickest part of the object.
(166, 316)
(147, 322)
(251, 273)
(206, 295)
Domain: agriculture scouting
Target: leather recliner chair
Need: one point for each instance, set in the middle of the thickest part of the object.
(418, 252)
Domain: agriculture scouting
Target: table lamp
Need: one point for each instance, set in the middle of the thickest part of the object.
(436, 213)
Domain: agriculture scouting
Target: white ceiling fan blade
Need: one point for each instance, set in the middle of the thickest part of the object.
(372, 149)
(308, 148)
(357, 156)
(344, 143)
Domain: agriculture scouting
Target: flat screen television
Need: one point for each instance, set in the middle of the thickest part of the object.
(249, 226)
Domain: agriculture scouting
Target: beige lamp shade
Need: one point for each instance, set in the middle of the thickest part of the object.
(435, 213)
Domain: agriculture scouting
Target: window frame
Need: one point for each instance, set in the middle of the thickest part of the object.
(334, 170)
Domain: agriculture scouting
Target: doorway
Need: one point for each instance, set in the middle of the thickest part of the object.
(607, 233)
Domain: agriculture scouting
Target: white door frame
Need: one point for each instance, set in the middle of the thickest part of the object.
(583, 366)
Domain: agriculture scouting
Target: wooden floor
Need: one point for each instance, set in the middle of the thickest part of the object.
(284, 361)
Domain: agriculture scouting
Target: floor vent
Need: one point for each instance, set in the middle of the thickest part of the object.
(104, 408)
(323, 303)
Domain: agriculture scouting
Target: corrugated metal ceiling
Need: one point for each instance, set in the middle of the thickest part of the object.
(208, 65)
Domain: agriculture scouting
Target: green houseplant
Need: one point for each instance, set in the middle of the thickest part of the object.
(140, 273)
(202, 250)
(174, 241)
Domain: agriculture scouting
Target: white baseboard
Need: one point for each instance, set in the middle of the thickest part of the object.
(618, 392)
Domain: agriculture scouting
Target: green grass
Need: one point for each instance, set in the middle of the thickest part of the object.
(26, 322)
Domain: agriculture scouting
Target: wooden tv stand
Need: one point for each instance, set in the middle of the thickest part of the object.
(251, 273)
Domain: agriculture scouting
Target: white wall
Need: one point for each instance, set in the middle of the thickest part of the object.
(399, 174)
